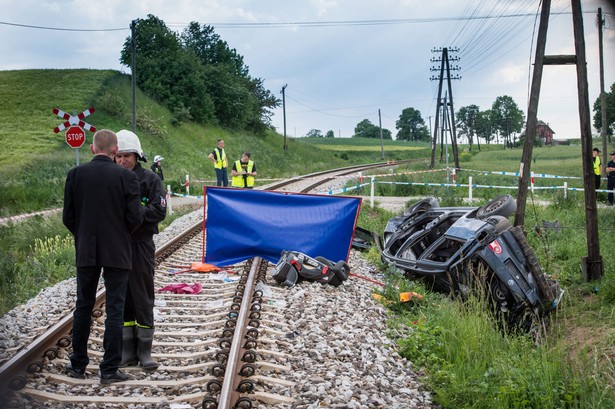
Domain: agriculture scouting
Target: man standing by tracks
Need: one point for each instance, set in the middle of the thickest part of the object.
(218, 157)
(101, 209)
(610, 172)
(243, 172)
(138, 333)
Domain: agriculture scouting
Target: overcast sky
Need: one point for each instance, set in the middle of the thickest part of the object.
(342, 60)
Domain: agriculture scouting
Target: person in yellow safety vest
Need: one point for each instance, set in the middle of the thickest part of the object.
(244, 171)
(218, 157)
(597, 167)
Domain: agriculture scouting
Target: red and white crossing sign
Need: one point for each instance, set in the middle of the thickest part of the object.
(75, 137)
(74, 120)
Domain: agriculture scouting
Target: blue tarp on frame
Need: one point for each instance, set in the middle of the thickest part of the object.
(245, 223)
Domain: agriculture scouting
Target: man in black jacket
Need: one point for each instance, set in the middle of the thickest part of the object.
(101, 209)
(138, 332)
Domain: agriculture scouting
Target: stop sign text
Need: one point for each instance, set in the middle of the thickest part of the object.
(75, 137)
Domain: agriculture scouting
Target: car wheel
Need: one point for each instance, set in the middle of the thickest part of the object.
(503, 205)
(499, 294)
(532, 262)
(500, 223)
(531, 324)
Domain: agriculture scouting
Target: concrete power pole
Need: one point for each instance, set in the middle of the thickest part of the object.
(591, 265)
(381, 141)
(284, 114)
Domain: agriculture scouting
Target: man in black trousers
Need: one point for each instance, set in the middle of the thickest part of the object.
(101, 208)
(138, 335)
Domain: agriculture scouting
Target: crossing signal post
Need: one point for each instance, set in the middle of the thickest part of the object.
(75, 134)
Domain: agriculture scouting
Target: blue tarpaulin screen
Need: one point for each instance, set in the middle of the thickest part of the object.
(245, 223)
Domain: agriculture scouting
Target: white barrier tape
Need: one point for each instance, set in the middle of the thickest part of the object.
(347, 189)
(464, 185)
(536, 175)
(185, 195)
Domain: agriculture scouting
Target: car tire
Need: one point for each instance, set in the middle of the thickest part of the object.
(503, 205)
(532, 262)
(500, 223)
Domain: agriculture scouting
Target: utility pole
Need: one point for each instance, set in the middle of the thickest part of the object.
(600, 23)
(381, 141)
(591, 265)
(284, 114)
(133, 67)
(445, 62)
(429, 118)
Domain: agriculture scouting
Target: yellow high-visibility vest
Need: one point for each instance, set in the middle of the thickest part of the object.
(238, 180)
(220, 159)
(597, 165)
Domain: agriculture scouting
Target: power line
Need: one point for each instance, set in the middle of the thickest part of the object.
(64, 29)
(338, 23)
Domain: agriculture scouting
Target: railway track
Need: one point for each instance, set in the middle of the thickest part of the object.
(230, 344)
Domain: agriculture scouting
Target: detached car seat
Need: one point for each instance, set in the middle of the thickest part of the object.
(294, 266)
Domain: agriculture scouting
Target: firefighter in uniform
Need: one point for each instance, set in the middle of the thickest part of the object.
(243, 172)
(138, 332)
(218, 157)
(157, 166)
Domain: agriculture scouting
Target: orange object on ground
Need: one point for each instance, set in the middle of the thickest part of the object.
(405, 297)
(204, 268)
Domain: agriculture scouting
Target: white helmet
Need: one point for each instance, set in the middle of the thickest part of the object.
(128, 141)
(158, 158)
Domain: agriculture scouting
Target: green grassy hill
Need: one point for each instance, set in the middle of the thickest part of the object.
(34, 160)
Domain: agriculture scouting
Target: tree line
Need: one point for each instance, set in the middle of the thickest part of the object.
(198, 77)
(502, 123)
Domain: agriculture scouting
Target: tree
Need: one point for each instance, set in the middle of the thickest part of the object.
(365, 129)
(198, 76)
(506, 117)
(329, 134)
(466, 119)
(609, 98)
(411, 126)
(483, 127)
(314, 133)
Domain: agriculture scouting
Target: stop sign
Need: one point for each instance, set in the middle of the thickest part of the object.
(75, 137)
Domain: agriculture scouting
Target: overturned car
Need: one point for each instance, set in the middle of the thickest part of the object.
(463, 249)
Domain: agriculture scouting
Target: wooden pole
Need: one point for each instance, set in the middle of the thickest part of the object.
(592, 264)
(532, 111)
